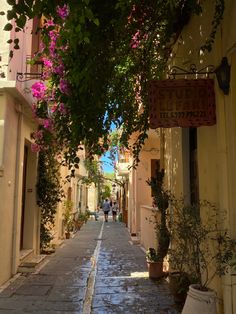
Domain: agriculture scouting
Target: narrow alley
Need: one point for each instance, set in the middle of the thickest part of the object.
(98, 271)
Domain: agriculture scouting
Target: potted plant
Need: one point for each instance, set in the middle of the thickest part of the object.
(207, 251)
(154, 263)
(78, 220)
(182, 258)
(161, 201)
(67, 218)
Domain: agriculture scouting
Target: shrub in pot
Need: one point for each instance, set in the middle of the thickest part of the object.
(207, 251)
(67, 218)
(155, 264)
(161, 201)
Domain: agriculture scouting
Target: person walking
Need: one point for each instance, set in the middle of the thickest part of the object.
(115, 208)
(106, 209)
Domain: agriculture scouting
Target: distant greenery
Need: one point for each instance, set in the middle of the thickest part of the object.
(106, 192)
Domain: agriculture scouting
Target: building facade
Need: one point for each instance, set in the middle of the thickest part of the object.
(199, 162)
(20, 216)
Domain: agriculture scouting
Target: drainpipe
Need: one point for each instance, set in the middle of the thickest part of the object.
(15, 245)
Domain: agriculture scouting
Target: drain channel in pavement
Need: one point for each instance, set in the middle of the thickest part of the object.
(92, 276)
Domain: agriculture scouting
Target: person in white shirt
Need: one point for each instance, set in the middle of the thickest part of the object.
(115, 208)
(106, 209)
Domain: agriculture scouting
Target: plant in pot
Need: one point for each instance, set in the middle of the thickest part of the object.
(78, 220)
(207, 253)
(67, 218)
(161, 201)
(181, 256)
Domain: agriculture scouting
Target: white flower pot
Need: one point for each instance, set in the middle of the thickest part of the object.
(200, 302)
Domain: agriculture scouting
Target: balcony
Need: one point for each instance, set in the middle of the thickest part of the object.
(122, 168)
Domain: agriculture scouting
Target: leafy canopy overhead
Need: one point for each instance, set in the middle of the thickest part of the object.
(98, 57)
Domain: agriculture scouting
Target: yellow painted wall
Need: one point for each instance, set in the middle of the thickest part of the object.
(139, 191)
(216, 144)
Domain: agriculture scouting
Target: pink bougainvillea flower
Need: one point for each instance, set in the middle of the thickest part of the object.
(34, 109)
(135, 41)
(38, 90)
(38, 135)
(54, 108)
(47, 123)
(62, 108)
(59, 69)
(49, 23)
(63, 12)
(35, 147)
(64, 86)
(47, 63)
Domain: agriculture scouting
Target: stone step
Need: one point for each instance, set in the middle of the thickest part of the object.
(135, 240)
(31, 264)
(26, 253)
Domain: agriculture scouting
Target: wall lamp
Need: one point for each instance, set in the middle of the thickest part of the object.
(223, 75)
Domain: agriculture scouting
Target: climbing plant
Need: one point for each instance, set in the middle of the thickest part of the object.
(98, 58)
(49, 193)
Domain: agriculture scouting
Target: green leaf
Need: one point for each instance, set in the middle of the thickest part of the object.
(2, 13)
(96, 22)
(86, 40)
(21, 21)
(8, 27)
(88, 13)
(16, 41)
(11, 54)
(11, 2)
(9, 41)
(11, 14)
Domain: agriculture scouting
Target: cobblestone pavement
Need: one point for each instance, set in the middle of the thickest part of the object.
(99, 271)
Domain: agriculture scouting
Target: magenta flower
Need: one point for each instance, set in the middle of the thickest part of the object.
(47, 63)
(59, 69)
(35, 147)
(38, 135)
(38, 90)
(34, 109)
(62, 109)
(49, 23)
(135, 41)
(63, 12)
(47, 123)
(54, 108)
(64, 86)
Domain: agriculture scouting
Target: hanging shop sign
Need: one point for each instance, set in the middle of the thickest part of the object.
(181, 103)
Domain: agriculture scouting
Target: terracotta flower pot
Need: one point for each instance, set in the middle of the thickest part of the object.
(155, 269)
(199, 301)
(67, 234)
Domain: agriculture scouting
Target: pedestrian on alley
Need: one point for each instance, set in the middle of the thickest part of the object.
(115, 208)
(106, 208)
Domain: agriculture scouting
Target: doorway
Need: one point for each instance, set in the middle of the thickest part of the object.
(193, 166)
(23, 197)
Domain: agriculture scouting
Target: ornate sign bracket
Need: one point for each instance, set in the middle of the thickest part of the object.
(23, 77)
(177, 71)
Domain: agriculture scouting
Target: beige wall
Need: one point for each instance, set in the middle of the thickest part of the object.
(17, 129)
(147, 234)
(15, 101)
(7, 189)
(216, 144)
(139, 191)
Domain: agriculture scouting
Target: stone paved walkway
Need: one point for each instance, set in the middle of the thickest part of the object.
(99, 271)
